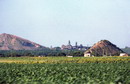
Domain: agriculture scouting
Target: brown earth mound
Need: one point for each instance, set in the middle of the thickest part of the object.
(104, 48)
(12, 42)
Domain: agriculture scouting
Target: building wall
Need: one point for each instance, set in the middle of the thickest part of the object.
(87, 55)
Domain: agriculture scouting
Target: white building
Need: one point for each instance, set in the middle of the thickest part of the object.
(123, 54)
(69, 56)
(87, 54)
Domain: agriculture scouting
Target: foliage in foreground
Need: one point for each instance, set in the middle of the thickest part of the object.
(91, 73)
(64, 70)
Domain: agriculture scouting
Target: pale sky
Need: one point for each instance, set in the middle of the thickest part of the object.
(54, 22)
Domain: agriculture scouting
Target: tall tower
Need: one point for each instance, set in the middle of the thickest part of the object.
(69, 43)
(76, 44)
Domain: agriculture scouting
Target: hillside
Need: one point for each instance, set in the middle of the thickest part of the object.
(12, 42)
(104, 48)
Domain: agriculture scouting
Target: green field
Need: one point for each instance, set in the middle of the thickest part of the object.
(55, 60)
(63, 70)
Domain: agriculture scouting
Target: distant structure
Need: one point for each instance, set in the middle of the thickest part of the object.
(69, 43)
(124, 54)
(69, 56)
(88, 54)
(76, 47)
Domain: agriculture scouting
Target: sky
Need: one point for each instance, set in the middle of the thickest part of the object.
(54, 22)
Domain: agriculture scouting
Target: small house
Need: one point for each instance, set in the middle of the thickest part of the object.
(87, 54)
(124, 54)
(69, 56)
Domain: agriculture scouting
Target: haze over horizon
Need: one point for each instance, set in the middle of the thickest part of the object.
(49, 22)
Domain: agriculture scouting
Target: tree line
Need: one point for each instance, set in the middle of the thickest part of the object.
(44, 53)
(126, 49)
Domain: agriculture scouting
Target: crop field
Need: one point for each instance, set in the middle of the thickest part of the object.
(64, 70)
(55, 60)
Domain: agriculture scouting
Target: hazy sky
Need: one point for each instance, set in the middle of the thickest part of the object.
(54, 22)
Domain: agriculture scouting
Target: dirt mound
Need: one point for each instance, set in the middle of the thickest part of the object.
(104, 48)
(12, 42)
